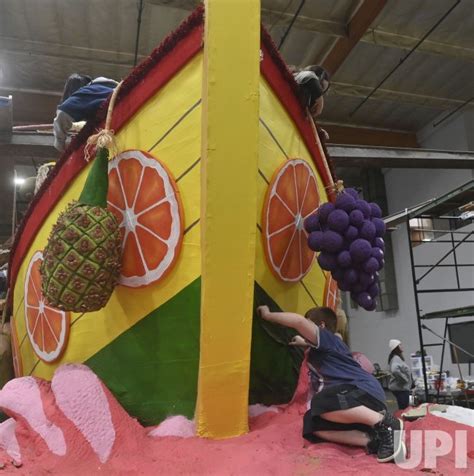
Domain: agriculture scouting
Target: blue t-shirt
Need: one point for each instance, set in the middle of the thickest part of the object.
(331, 363)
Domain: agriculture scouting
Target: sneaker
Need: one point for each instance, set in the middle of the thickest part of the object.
(390, 434)
(373, 444)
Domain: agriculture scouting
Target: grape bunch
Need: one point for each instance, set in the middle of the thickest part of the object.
(349, 236)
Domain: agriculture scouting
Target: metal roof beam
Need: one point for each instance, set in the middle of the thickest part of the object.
(317, 25)
(16, 46)
(357, 26)
(391, 157)
(358, 91)
(31, 105)
(354, 134)
(395, 40)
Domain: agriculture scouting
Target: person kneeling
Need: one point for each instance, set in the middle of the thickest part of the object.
(349, 403)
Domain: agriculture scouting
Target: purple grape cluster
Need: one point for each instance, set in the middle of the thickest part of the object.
(349, 236)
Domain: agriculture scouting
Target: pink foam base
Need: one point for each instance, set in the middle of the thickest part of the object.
(101, 438)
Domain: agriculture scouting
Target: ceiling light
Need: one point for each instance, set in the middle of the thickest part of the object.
(19, 180)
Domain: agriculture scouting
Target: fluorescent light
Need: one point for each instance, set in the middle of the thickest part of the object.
(19, 180)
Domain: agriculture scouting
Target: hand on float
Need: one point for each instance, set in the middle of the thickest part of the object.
(264, 312)
(298, 341)
(325, 133)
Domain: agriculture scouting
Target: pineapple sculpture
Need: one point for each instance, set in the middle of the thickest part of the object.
(81, 262)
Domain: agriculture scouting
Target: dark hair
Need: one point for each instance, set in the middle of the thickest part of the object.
(323, 314)
(311, 88)
(320, 72)
(74, 82)
(396, 351)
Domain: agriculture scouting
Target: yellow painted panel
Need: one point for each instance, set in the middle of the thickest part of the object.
(182, 147)
(162, 112)
(179, 150)
(229, 214)
(283, 135)
(289, 296)
(286, 133)
(95, 330)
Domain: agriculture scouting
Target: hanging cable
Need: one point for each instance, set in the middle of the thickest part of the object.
(139, 26)
(290, 26)
(433, 28)
(454, 111)
(280, 16)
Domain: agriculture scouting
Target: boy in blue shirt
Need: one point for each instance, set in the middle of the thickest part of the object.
(349, 404)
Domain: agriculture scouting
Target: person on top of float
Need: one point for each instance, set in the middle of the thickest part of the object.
(81, 99)
(313, 82)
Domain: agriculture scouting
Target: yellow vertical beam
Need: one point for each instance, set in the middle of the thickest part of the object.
(230, 111)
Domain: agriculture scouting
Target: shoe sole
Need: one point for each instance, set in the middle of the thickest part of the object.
(401, 446)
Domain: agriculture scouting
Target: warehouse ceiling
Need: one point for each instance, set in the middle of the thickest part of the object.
(360, 41)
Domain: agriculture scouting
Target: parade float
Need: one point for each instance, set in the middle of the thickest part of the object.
(215, 170)
(205, 239)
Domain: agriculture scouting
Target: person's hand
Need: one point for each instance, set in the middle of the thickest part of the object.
(317, 107)
(325, 134)
(264, 312)
(298, 341)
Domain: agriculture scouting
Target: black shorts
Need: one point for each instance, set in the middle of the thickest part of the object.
(338, 397)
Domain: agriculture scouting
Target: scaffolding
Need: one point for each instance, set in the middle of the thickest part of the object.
(445, 216)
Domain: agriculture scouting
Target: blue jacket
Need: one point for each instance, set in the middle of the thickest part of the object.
(80, 106)
(84, 103)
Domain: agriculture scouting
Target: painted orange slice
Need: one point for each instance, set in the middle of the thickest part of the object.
(292, 196)
(145, 199)
(47, 327)
(330, 292)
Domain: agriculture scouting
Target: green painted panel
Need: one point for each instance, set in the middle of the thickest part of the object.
(275, 366)
(152, 368)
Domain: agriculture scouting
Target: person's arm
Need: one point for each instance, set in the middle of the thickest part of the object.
(397, 371)
(306, 328)
(62, 124)
(299, 341)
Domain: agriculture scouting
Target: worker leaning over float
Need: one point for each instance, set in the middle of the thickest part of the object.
(81, 99)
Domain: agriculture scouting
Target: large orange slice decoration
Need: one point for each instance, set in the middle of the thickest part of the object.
(145, 199)
(47, 327)
(330, 292)
(291, 197)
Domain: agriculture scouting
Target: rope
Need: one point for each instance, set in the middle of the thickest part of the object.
(5, 310)
(337, 186)
(104, 139)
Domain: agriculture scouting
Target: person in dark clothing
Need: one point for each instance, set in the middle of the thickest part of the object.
(400, 380)
(79, 104)
(314, 83)
(349, 404)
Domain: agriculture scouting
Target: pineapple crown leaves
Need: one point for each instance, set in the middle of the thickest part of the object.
(97, 183)
(96, 187)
